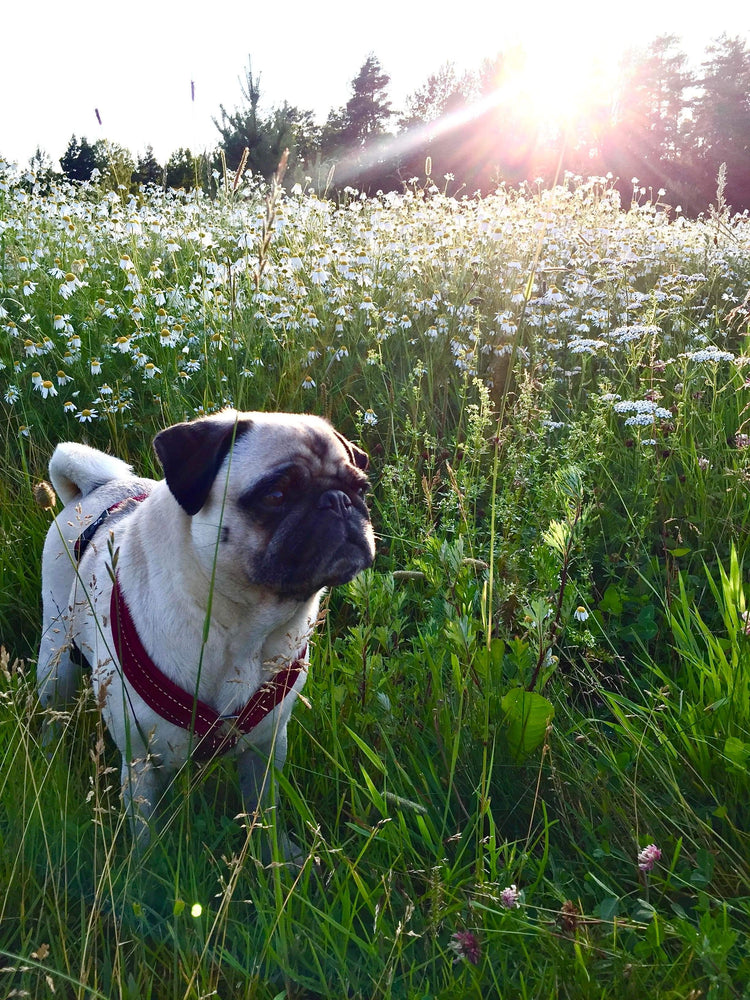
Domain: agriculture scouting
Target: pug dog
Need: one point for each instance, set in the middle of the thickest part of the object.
(193, 598)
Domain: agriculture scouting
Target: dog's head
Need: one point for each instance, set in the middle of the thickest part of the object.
(281, 495)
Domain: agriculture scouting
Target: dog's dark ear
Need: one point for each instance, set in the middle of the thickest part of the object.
(356, 455)
(191, 454)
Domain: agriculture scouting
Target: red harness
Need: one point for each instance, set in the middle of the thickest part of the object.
(214, 734)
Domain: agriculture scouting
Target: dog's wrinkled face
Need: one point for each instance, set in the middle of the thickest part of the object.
(286, 494)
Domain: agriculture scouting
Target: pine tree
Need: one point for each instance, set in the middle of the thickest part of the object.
(368, 109)
(643, 136)
(148, 170)
(720, 129)
(265, 136)
(80, 159)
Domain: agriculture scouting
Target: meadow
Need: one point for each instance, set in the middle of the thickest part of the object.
(521, 767)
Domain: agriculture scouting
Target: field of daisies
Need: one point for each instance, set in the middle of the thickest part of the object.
(521, 767)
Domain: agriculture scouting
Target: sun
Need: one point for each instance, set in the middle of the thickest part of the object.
(558, 86)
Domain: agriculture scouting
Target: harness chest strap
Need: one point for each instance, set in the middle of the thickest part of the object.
(216, 734)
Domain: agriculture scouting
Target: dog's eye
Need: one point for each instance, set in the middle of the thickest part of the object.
(279, 492)
(274, 498)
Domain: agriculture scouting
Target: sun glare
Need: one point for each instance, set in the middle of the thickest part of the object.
(559, 86)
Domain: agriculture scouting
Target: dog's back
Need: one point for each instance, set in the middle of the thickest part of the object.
(89, 482)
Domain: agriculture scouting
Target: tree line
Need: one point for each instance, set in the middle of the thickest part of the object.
(668, 125)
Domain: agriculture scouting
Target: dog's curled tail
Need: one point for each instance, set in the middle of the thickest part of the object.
(76, 470)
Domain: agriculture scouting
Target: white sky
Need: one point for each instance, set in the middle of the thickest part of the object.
(134, 61)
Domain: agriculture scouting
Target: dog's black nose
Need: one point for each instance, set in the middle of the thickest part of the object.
(335, 500)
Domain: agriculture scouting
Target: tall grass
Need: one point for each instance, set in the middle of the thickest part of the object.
(544, 672)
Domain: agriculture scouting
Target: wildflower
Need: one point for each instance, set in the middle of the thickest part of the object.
(580, 614)
(308, 382)
(63, 378)
(150, 369)
(36, 379)
(168, 338)
(70, 285)
(12, 394)
(642, 407)
(30, 348)
(96, 366)
(369, 417)
(708, 353)
(319, 276)
(86, 415)
(122, 344)
(464, 944)
(46, 388)
(510, 898)
(29, 287)
(24, 430)
(648, 857)
(69, 407)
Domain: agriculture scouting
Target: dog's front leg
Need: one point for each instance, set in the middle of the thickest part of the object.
(257, 772)
(256, 767)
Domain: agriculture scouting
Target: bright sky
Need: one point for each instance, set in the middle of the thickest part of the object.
(135, 61)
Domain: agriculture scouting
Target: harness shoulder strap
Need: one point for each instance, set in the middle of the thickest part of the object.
(83, 540)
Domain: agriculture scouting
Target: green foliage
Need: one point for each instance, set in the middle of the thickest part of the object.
(706, 690)
(544, 674)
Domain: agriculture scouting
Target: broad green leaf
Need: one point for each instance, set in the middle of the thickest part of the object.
(643, 911)
(609, 908)
(611, 602)
(527, 715)
(737, 751)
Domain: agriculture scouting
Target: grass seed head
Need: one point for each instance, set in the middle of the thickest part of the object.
(44, 495)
